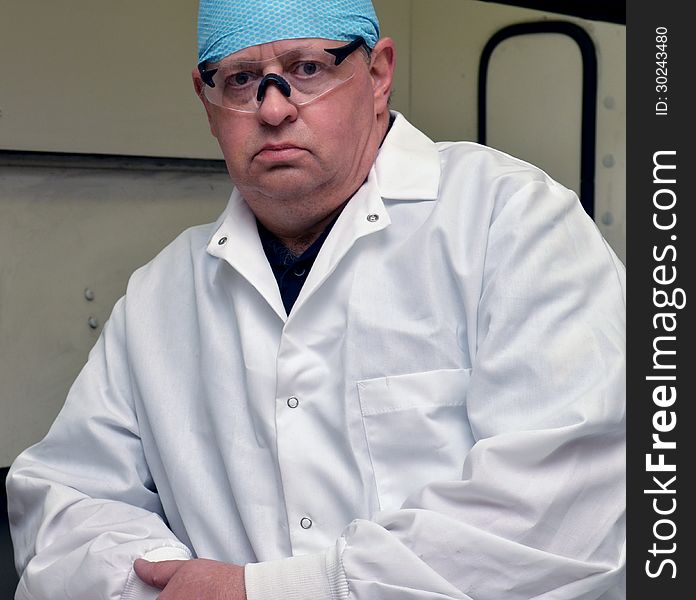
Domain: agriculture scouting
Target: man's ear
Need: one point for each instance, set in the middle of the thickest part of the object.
(382, 65)
(198, 86)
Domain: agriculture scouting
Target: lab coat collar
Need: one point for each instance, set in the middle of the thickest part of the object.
(408, 164)
(236, 241)
(407, 168)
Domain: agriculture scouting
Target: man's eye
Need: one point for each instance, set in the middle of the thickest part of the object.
(239, 79)
(308, 68)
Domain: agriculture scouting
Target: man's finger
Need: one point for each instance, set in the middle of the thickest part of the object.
(156, 574)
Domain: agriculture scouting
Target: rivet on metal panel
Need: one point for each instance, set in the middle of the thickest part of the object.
(89, 294)
(608, 161)
(92, 322)
(607, 218)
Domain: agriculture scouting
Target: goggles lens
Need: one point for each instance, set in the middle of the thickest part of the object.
(310, 72)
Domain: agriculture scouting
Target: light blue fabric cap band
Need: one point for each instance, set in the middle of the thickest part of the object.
(225, 26)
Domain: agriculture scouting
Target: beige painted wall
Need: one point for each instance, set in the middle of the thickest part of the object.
(62, 231)
(101, 76)
(110, 77)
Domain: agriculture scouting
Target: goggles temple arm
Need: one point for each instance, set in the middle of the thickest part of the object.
(344, 52)
(207, 74)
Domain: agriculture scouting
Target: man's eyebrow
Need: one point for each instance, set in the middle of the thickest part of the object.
(239, 65)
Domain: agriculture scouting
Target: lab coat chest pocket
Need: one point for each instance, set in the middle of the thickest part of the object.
(417, 430)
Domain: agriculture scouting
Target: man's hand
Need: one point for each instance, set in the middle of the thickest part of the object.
(193, 579)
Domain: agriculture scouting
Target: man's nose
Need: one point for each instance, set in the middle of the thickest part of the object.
(275, 106)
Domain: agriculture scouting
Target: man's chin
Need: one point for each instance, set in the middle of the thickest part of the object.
(286, 184)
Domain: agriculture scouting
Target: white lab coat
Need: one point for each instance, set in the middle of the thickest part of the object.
(440, 416)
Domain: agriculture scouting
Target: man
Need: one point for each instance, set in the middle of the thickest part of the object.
(392, 369)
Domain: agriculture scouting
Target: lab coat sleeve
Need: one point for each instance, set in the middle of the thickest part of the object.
(540, 509)
(82, 504)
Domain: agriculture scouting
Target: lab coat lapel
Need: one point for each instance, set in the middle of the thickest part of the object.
(408, 164)
(237, 242)
(364, 214)
(407, 168)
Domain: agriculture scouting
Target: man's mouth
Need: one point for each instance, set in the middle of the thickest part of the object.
(280, 152)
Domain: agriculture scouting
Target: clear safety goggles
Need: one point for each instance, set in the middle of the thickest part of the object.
(302, 75)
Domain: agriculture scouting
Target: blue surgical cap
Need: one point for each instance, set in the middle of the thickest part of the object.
(225, 26)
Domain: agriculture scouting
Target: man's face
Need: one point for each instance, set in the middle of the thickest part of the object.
(305, 159)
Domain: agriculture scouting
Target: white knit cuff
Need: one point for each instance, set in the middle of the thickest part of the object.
(136, 588)
(313, 576)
